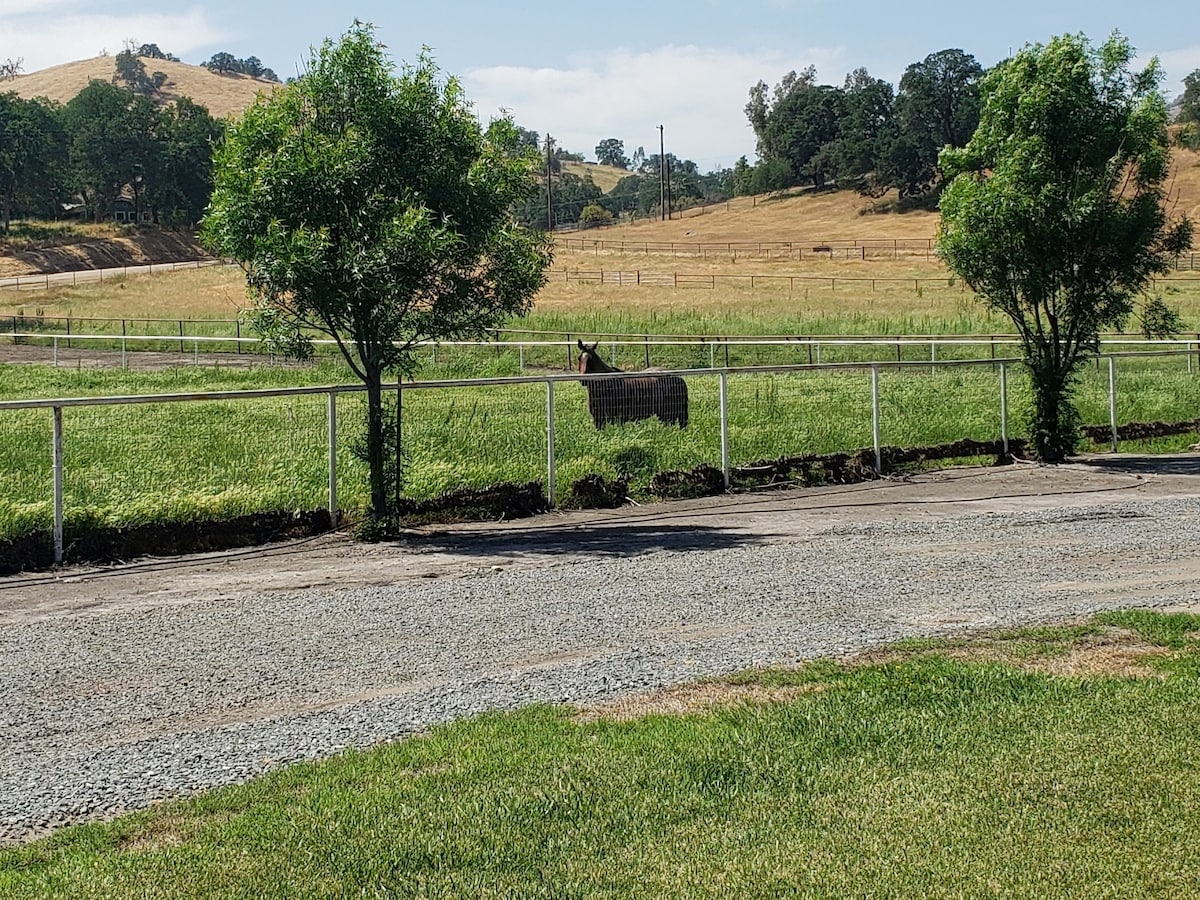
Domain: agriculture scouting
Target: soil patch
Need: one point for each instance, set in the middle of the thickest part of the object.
(139, 247)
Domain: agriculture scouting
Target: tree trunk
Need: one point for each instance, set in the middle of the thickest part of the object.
(1055, 427)
(375, 441)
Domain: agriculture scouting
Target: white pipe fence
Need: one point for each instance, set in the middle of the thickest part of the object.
(552, 428)
(813, 345)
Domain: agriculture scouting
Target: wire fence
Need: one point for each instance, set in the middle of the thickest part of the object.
(74, 464)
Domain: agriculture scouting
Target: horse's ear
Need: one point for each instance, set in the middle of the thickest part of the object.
(582, 348)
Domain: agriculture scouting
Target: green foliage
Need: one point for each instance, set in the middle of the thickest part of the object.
(152, 51)
(595, 215)
(372, 207)
(131, 74)
(611, 152)
(1189, 102)
(937, 106)
(1055, 213)
(1158, 320)
(225, 63)
(31, 153)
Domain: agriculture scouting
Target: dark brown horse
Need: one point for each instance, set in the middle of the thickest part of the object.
(632, 397)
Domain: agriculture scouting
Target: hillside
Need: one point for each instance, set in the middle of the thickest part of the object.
(604, 177)
(837, 216)
(223, 95)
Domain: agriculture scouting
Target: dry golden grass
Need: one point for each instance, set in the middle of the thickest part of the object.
(212, 293)
(800, 216)
(223, 95)
(605, 177)
(1110, 652)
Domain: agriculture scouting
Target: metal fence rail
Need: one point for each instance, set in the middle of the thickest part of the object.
(625, 350)
(472, 422)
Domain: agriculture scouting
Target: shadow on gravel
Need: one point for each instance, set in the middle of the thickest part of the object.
(603, 540)
(1146, 465)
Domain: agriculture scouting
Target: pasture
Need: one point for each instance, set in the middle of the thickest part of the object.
(935, 768)
(196, 461)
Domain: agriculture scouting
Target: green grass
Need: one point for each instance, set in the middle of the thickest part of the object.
(919, 776)
(128, 465)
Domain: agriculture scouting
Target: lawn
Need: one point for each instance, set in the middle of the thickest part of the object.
(1046, 762)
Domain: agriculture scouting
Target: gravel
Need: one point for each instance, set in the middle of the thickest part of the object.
(107, 710)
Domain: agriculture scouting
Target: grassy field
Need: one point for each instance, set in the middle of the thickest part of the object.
(129, 465)
(1047, 762)
(894, 297)
(148, 463)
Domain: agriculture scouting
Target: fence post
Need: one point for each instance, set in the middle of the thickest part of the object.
(875, 419)
(181, 336)
(724, 395)
(550, 477)
(56, 351)
(1112, 400)
(646, 338)
(57, 465)
(333, 499)
(1004, 407)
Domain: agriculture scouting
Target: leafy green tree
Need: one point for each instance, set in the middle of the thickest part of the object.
(1189, 103)
(936, 106)
(112, 144)
(31, 151)
(152, 51)
(867, 113)
(370, 206)
(594, 215)
(188, 134)
(611, 152)
(223, 63)
(1055, 214)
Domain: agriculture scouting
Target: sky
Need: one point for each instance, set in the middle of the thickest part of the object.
(588, 71)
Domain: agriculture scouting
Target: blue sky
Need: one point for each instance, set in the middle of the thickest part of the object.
(587, 71)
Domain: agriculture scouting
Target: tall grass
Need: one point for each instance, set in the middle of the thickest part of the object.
(184, 461)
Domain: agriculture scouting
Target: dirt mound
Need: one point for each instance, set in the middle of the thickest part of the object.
(137, 248)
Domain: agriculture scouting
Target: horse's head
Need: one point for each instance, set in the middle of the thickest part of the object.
(589, 360)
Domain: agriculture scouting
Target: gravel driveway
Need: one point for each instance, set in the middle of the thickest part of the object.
(161, 678)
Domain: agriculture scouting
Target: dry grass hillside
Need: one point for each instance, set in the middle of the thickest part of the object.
(223, 95)
(604, 177)
(837, 216)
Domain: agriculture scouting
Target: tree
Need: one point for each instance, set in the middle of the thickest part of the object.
(222, 63)
(152, 51)
(182, 189)
(1189, 103)
(611, 152)
(370, 206)
(11, 68)
(1055, 214)
(31, 142)
(936, 106)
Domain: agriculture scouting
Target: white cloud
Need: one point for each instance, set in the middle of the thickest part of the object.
(49, 32)
(697, 94)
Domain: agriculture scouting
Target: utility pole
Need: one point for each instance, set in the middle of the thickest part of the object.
(667, 163)
(662, 177)
(549, 193)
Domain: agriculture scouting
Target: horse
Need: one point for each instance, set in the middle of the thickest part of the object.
(632, 397)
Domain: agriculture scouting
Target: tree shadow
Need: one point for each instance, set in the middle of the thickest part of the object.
(1146, 465)
(613, 540)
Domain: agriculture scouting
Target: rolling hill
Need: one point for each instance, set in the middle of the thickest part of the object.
(223, 95)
